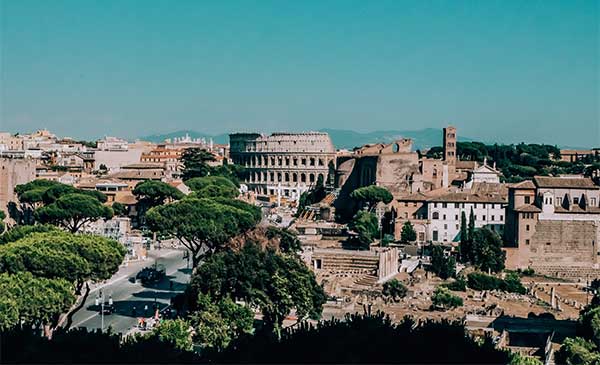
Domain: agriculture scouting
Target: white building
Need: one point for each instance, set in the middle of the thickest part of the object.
(112, 144)
(483, 174)
(444, 214)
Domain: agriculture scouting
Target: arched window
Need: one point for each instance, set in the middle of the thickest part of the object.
(321, 177)
(294, 177)
(303, 177)
(435, 215)
(312, 178)
(287, 177)
(279, 176)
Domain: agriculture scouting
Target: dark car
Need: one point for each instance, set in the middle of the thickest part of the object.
(151, 274)
(108, 309)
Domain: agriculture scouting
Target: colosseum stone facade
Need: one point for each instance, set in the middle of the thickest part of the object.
(284, 164)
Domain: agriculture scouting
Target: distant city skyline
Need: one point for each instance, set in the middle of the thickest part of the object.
(500, 71)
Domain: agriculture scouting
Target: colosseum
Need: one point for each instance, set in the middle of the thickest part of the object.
(283, 164)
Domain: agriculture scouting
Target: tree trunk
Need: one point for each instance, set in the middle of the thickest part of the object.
(78, 307)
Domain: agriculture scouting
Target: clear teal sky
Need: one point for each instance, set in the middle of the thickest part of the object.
(505, 70)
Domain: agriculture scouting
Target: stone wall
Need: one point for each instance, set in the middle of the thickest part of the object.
(567, 249)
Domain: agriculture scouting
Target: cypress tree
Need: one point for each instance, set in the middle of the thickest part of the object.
(464, 239)
(471, 234)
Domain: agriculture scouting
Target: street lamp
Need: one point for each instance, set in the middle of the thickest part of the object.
(100, 297)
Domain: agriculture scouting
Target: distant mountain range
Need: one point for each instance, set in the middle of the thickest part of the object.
(342, 139)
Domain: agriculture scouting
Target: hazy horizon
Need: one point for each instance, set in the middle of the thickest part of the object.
(500, 71)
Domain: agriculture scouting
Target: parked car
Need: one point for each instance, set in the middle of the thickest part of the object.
(153, 274)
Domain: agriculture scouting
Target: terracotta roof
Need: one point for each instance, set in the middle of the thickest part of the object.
(564, 182)
(466, 164)
(528, 208)
(127, 198)
(137, 175)
(527, 184)
(142, 166)
(578, 210)
(469, 197)
(413, 197)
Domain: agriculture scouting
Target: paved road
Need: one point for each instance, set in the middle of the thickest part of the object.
(127, 295)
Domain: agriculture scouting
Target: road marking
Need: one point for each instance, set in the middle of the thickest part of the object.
(85, 320)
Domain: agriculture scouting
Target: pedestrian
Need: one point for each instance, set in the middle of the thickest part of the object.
(110, 301)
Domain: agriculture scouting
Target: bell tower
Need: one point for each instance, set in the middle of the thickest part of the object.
(450, 145)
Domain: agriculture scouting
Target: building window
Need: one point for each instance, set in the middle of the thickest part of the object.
(303, 161)
(321, 162)
(527, 200)
(435, 215)
(455, 205)
(444, 217)
(527, 241)
(501, 217)
(493, 218)
(527, 227)
(406, 204)
(435, 236)
(444, 205)
(445, 226)
(456, 226)
(435, 205)
(295, 162)
(456, 217)
(484, 218)
(547, 243)
(312, 161)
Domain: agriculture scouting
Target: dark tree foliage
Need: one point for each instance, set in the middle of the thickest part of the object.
(520, 161)
(273, 282)
(80, 346)
(19, 232)
(288, 241)
(364, 339)
(365, 225)
(203, 226)
(441, 265)
(481, 281)
(72, 211)
(486, 251)
(371, 195)
(465, 243)
(394, 290)
(119, 209)
(314, 195)
(408, 233)
(213, 187)
(235, 173)
(39, 194)
(152, 193)
(585, 348)
(195, 163)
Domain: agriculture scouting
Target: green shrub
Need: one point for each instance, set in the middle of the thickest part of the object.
(481, 281)
(460, 284)
(443, 298)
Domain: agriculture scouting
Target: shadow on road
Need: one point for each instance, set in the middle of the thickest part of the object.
(133, 308)
(155, 294)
